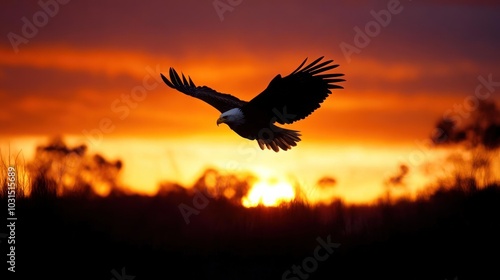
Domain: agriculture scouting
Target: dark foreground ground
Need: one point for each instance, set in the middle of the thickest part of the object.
(451, 235)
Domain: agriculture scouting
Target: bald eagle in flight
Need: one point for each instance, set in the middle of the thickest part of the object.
(284, 101)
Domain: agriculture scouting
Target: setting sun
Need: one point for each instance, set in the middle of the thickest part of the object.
(269, 193)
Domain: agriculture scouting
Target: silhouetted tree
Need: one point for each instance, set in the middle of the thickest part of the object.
(229, 186)
(395, 184)
(166, 188)
(397, 180)
(476, 136)
(481, 128)
(327, 182)
(58, 170)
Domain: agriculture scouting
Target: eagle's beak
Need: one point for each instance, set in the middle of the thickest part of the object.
(220, 120)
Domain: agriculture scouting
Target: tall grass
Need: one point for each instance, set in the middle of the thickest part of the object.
(23, 178)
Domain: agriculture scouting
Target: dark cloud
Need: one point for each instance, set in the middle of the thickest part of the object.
(184, 26)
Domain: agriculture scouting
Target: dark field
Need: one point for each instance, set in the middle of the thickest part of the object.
(451, 234)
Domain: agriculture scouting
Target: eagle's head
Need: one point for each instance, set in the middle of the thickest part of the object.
(232, 117)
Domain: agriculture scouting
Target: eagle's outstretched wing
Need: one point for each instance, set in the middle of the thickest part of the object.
(294, 97)
(221, 101)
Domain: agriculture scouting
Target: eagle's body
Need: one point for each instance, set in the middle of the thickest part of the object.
(284, 101)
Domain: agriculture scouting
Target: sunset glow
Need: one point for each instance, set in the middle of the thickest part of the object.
(269, 193)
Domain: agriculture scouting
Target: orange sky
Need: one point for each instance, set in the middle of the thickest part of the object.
(73, 76)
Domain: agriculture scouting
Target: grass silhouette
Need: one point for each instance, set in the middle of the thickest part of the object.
(448, 231)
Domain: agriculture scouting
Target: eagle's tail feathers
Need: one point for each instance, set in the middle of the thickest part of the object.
(282, 138)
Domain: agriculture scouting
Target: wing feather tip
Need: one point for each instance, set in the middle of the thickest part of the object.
(166, 81)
